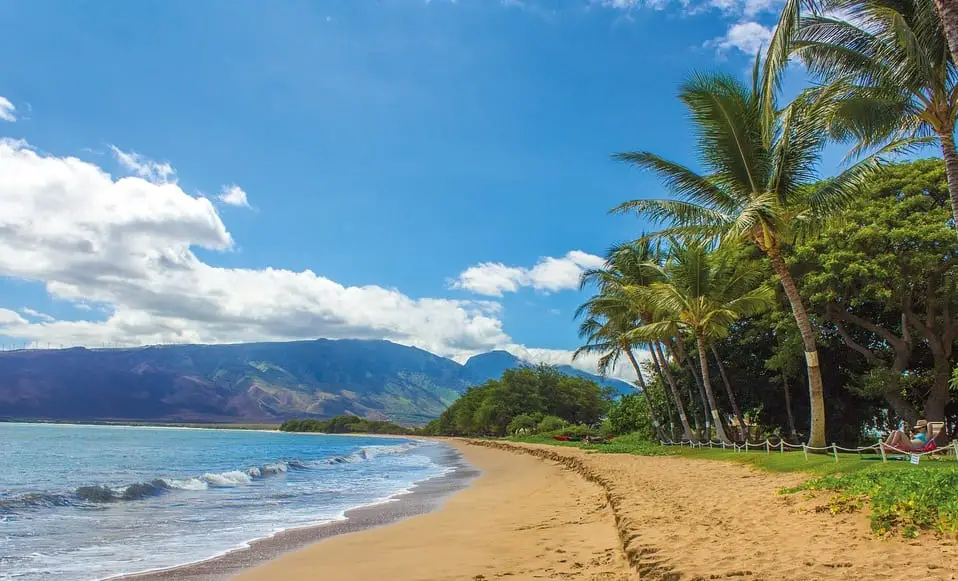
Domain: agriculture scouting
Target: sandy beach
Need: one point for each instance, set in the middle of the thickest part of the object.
(541, 512)
(521, 519)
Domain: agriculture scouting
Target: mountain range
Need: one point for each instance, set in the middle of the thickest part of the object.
(252, 382)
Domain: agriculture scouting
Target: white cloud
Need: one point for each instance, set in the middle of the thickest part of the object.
(549, 275)
(585, 362)
(7, 110)
(127, 244)
(144, 167)
(753, 7)
(234, 196)
(748, 37)
(36, 314)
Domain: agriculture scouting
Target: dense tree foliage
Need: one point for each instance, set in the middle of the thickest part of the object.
(535, 393)
(881, 286)
(346, 424)
(883, 278)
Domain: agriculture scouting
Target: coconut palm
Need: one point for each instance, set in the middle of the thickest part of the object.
(611, 313)
(887, 67)
(760, 182)
(610, 318)
(701, 294)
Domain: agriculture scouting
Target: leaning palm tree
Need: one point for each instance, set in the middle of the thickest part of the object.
(609, 320)
(760, 182)
(611, 313)
(887, 68)
(702, 293)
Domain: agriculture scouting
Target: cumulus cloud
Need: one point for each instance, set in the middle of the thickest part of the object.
(127, 244)
(234, 196)
(7, 110)
(748, 37)
(549, 274)
(143, 167)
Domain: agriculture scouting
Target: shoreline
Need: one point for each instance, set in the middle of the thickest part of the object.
(421, 498)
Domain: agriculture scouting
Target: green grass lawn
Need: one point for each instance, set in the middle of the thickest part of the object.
(900, 497)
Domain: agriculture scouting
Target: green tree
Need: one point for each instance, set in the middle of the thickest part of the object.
(759, 183)
(702, 293)
(629, 415)
(489, 409)
(888, 69)
(886, 276)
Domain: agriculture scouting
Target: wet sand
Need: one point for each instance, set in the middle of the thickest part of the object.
(423, 498)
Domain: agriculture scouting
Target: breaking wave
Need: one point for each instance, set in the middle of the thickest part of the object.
(102, 494)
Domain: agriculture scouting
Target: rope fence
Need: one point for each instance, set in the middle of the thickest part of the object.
(781, 446)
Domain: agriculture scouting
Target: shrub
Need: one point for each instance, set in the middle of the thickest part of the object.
(526, 422)
(552, 424)
(579, 431)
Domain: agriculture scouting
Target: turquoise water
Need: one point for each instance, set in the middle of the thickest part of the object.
(88, 502)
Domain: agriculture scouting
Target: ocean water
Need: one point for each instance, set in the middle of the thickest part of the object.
(79, 503)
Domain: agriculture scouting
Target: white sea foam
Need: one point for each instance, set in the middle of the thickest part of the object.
(231, 478)
(187, 484)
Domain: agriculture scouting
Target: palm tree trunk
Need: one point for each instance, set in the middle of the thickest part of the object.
(788, 408)
(706, 411)
(948, 11)
(731, 394)
(645, 393)
(661, 376)
(816, 393)
(706, 380)
(947, 138)
(686, 429)
(683, 357)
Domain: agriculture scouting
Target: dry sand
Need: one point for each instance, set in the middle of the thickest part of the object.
(521, 519)
(697, 519)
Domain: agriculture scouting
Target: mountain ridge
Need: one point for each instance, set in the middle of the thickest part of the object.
(243, 382)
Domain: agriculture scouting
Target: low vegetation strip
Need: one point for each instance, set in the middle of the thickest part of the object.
(347, 424)
(907, 501)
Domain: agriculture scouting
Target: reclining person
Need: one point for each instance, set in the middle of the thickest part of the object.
(913, 442)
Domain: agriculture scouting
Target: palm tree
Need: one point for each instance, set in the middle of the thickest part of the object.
(611, 312)
(760, 183)
(888, 69)
(610, 319)
(702, 293)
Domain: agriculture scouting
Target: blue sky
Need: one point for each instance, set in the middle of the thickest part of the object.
(385, 146)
